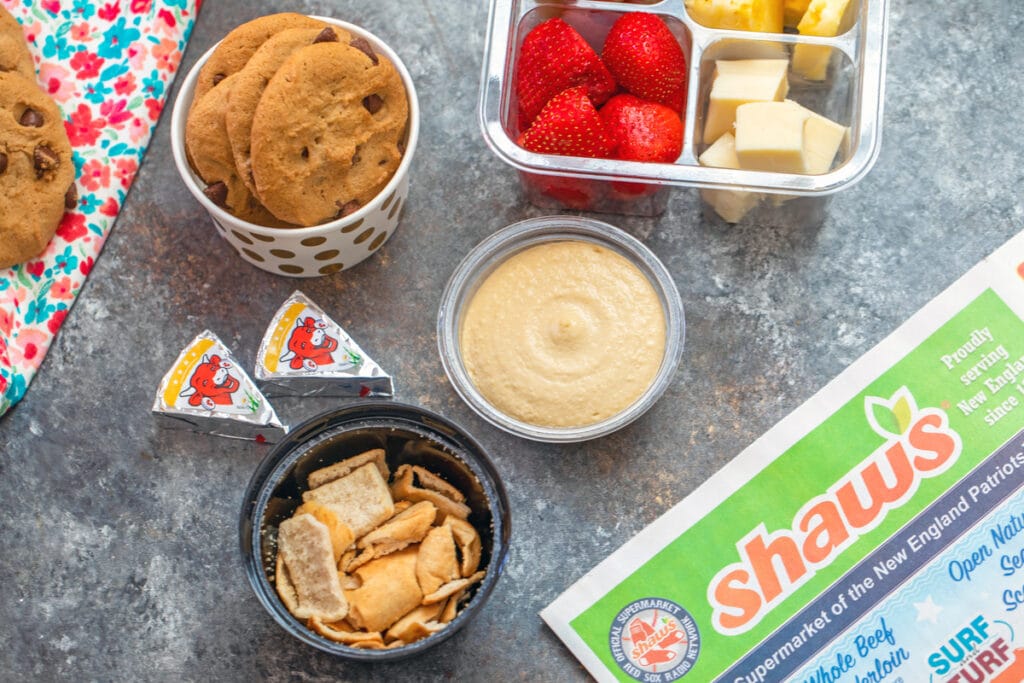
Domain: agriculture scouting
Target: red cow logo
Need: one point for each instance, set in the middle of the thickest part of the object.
(210, 384)
(309, 345)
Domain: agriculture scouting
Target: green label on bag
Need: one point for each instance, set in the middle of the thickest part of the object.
(759, 557)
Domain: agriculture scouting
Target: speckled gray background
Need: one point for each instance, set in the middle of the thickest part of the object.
(118, 542)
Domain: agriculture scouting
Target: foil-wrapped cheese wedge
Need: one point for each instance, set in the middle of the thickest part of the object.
(207, 391)
(304, 353)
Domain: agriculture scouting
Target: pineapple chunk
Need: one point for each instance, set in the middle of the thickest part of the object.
(793, 12)
(825, 18)
(740, 15)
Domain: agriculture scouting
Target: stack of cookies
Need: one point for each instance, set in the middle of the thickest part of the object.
(295, 122)
(36, 171)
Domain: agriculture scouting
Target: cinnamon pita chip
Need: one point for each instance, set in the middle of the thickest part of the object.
(408, 526)
(412, 626)
(468, 541)
(326, 475)
(340, 632)
(346, 559)
(436, 563)
(283, 585)
(341, 535)
(416, 484)
(305, 544)
(348, 581)
(451, 608)
(451, 588)
(389, 591)
(360, 499)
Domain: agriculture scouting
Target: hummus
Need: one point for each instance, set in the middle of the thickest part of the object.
(563, 334)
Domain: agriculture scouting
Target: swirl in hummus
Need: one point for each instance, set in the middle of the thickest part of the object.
(563, 334)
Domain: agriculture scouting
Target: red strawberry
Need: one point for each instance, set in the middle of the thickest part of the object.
(569, 126)
(645, 58)
(555, 57)
(642, 130)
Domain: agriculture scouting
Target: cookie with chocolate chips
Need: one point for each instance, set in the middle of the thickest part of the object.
(252, 81)
(206, 139)
(239, 45)
(14, 54)
(36, 171)
(327, 133)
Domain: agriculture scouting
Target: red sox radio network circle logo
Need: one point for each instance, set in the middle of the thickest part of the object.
(654, 640)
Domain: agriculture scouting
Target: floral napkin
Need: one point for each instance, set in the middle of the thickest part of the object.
(109, 66)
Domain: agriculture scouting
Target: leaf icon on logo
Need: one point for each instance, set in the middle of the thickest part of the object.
(890, 417)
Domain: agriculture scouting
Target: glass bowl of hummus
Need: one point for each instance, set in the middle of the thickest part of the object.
(560, 329)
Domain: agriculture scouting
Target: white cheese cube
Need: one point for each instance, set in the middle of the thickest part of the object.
(770, 137)
(739, 82)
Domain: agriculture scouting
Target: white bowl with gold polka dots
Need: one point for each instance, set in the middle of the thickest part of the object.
(322, 249)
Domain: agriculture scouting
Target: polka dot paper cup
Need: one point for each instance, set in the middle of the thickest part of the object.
(321, 249)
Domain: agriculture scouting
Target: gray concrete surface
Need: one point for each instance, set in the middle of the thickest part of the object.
(119, 547)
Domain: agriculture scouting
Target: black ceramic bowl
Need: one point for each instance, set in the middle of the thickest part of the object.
(409, 435)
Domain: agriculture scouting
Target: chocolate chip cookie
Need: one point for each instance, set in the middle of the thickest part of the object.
(206, 139)
(252, 81)
(239, 45)
(327, 131)
(36, 171)
(14, 54)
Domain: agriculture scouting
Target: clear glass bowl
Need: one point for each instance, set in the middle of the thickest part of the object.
(493, 251)
(409, 435)
(851, 95)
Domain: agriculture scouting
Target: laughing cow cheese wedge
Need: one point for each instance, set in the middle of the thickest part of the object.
(304, 352)
(206, 390)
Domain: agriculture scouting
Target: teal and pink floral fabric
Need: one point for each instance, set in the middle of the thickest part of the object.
(109, 66)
